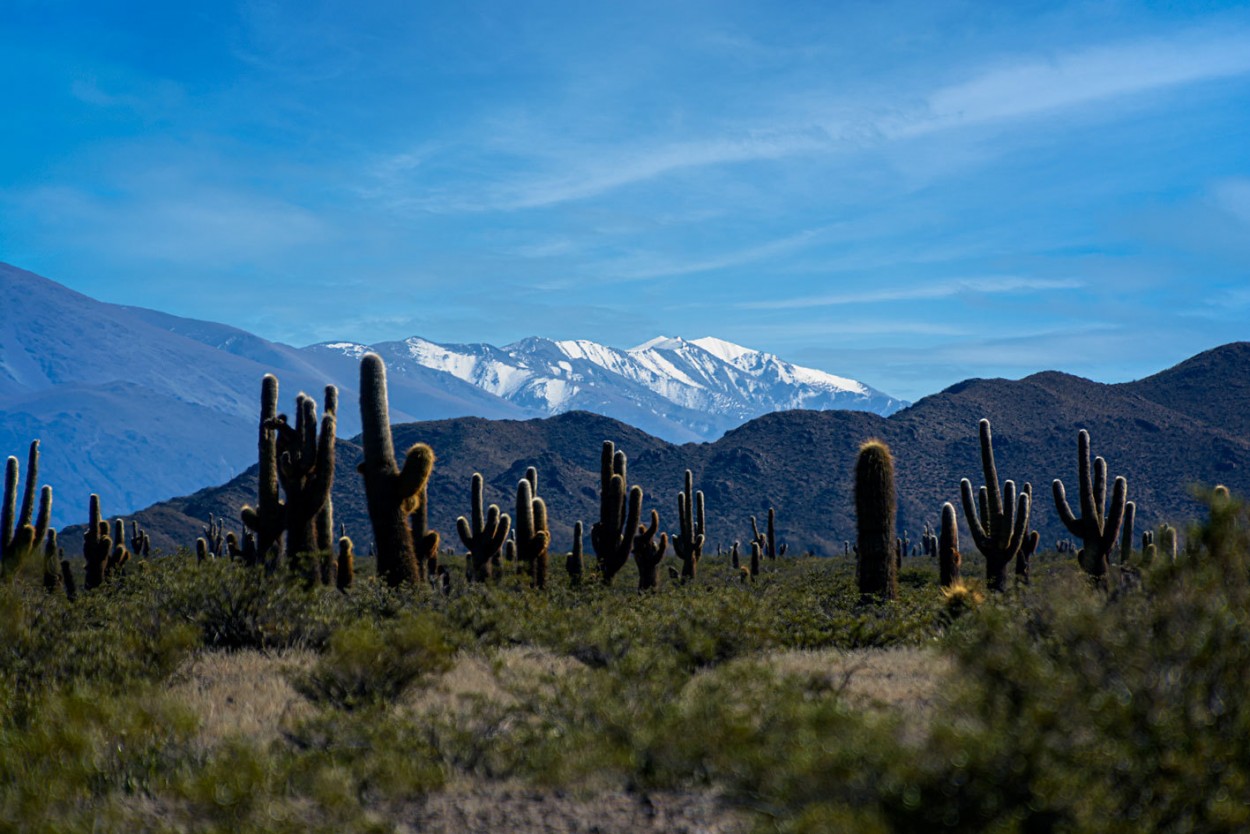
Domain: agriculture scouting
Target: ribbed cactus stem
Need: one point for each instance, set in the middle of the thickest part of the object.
(306, 474)
(875, 508)
(485, 535)
(948, 548)
(97, 547)
(575, 564)
(22, 532)
(1167, 542)
(424, 540)
(392, 494)
(998, 520)
(1126, 532)
(649, 552)
(345, 566)
(532, 535)
(1099, 524)
(620, 509)
(688, 544)
(268, 518)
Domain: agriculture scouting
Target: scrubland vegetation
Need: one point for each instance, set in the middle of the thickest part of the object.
(1099, 691)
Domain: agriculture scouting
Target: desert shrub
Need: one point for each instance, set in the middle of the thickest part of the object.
(369, 662)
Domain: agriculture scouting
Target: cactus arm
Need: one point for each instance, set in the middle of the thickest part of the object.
(1100, 490)
(979, 534)
(1115, 515)
(1004, 535)
(995, 499)
(1063, 509)
(414, 477)
(462, 527)
(32, 478)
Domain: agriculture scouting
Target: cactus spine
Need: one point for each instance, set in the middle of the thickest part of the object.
(532, 536)
(392, 493)
(19, 537)
(875, 508)
(485, 536)
(688, 544)
(649, 552)
(268, 518)
(612, 535)
(1098, 524)
(1002, 523)
(948, 548)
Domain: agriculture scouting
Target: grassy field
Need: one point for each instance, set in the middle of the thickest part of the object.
(187, 697)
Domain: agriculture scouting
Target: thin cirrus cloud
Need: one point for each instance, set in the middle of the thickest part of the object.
(1018, 90)
(941, 289)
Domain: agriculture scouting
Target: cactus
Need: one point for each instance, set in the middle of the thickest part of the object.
(768, 540)
(425, 541)
(734, 558)
(1002, 523)
(1148, 550)
(392, 493)
(268, 518)
(202, 551)
(1098, 524)
(18, 536)
(948, 548)
(648, 552)
(345, 566)
(305, 471)
(1167, 542)
(1028, 547)
(532, 536)
(875, 508)
(52, 554)
(140, 543)
(485, 536)
(754, 570)
(612, 535)
(326, 541)
(688, 544)
(67, 579)
(97, 546)
(575, 563)
(1126, 532)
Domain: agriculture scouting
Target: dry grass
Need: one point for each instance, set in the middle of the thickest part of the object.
(905, 678)
(244, 693)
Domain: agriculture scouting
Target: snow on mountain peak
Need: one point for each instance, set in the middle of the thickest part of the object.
(658, 343)
(722, 349)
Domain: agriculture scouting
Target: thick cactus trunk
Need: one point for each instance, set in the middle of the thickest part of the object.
(875, 508)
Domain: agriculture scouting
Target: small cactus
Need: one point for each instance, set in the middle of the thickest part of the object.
(1126, 532)
(688, 544)
(575, 564)
(768, 539)
(97, 546)
(875, 508)
(345, 567)
(648, 553)
(485, 536)
(268, 518)
(52, 554)
(532, 536)
(948, 548)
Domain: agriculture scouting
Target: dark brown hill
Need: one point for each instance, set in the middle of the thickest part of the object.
(1163, 438)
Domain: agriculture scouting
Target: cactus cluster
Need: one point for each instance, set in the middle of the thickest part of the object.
(649, 552)
(485, 534)
(688, 544)
(532, 535)
(768, 539)
(613, 534)
(998, 521)
(1099, 524)
(20, 536)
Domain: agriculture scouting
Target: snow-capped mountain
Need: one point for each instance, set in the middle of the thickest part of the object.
(671, 387)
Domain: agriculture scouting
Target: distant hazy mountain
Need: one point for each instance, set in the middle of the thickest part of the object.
(138, 405)
(802, 462)
(675, 389)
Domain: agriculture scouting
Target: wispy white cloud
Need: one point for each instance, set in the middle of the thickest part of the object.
(941, 289)
(1026, 89)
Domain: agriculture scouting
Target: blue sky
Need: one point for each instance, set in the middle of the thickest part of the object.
(907, 193)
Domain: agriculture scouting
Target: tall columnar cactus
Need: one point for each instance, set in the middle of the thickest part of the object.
(948, 548)
(575, 564)
(1098, 524)
(532, 536)
(425, 541)
(326, 541)
(1167, 542)
(875, 508)
(268, 518)
(1126, 532)
(484, 537)
(649, 552)
(612, 535)
(306, 471)
(688, 544)
(18, 536)
(999, 528)
(392, 493)
(97, 546)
